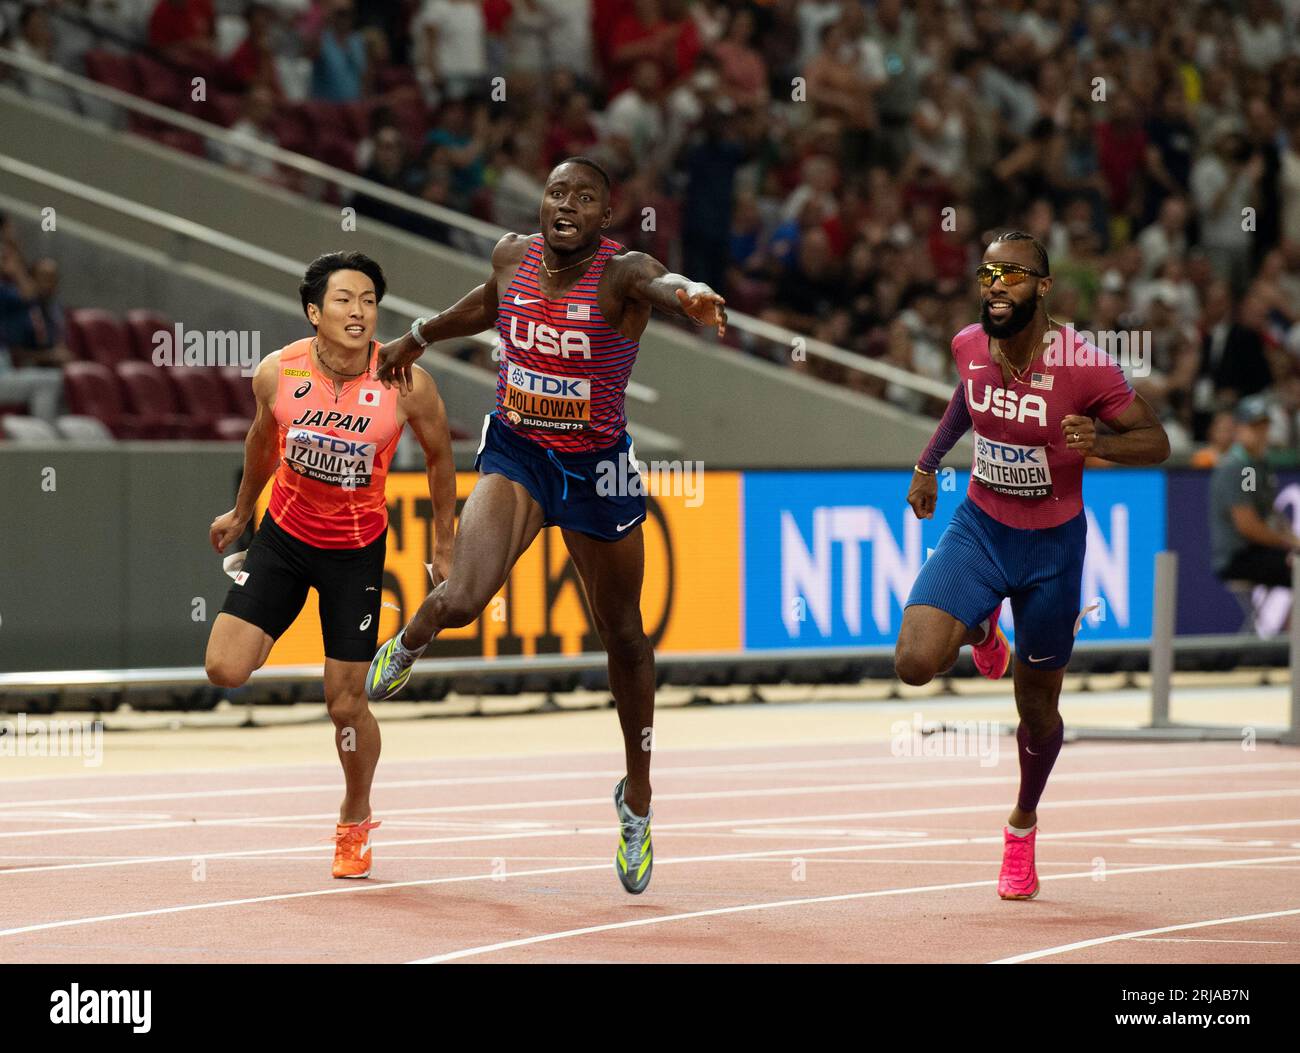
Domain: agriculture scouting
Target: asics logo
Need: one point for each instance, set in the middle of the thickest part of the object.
(365, 624)
(522, 302)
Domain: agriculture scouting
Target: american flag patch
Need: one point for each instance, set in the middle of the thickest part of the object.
(578, 312)
(1042, 381)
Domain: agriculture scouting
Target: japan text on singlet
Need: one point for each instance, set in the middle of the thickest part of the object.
(1023, 474)
(564, 369)
(334, 452)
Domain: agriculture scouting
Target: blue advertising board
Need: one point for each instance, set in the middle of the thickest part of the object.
(829, 557)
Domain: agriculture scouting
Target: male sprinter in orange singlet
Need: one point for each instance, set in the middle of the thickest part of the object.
(327, 429)
(569, 305)
(1031, 389)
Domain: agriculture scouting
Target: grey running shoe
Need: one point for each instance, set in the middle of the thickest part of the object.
(634, 860)
(390, 669)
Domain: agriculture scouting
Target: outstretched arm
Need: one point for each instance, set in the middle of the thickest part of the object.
(473, 313)
(651, 282)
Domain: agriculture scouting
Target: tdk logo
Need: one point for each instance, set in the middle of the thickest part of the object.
(330, 443)
(994, 451)
(1009, 405)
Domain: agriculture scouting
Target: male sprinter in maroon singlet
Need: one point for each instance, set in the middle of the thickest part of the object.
(327, 430)
(569, 305)
(1031, 389)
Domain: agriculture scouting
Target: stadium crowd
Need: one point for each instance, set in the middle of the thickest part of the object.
(832, 166)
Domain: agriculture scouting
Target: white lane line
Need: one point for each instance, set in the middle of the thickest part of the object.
(706, 828)
(468, 952)
(1047, 952)
(499, 876)
(1196, 939)
(664, 771)
(780, 791)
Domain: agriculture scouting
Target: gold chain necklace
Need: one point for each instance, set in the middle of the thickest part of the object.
(552, 273)
(1019, 374)
(339, 373)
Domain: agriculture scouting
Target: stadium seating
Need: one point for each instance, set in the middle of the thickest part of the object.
(28, 430)
(97, 336)
(151, 395)
(83, 429)
(92, 390)
(142, 324)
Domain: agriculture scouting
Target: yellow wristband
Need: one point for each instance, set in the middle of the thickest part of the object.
(922, 471)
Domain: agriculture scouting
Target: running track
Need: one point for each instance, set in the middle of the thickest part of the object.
(807, 853)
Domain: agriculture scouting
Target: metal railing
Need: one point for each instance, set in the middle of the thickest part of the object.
(477, 237)
(189, 230)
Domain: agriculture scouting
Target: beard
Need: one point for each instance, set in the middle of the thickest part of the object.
(1021, 315)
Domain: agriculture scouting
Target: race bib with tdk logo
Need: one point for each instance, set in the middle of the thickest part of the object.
(329, 458)
(1007, 468)
(542, 400)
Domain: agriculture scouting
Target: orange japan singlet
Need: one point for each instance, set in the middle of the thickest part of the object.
(334, 453)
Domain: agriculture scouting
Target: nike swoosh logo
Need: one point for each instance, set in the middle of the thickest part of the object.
(623, 526)
(974, 366)
(1049, 657)
(521, 303)
(1030, 752)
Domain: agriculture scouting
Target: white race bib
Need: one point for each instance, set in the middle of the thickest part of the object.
(330, 458)
(1007, 468)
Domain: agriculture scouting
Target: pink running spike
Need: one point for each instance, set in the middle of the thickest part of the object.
(1019, 878)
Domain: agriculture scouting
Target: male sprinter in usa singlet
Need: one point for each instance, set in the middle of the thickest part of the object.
(1031, 389)
(327, 429)
(569, 305)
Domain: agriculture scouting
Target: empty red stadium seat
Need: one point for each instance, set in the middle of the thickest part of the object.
(151, 395)
(203, 393)
(97, 336)
(239, 390)
(141, 324)
(92, 390)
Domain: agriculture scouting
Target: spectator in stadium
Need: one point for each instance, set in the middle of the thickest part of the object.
(1169, 154)
(388, 167)
(808, 291)
(1224, 182)
(573, 133)
(256, 125)
(1223, 433)
(656, 30)
(35, 40)
(185, 30)
(31, 348)
(1290, 181)
(339, 59)
(253, 61)
(637, 113)
(1248, 541)
(1166, 237)
(450, 48)
(743, 71)
(465, 139)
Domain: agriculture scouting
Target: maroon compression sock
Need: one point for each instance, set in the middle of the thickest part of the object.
(1036, 760)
